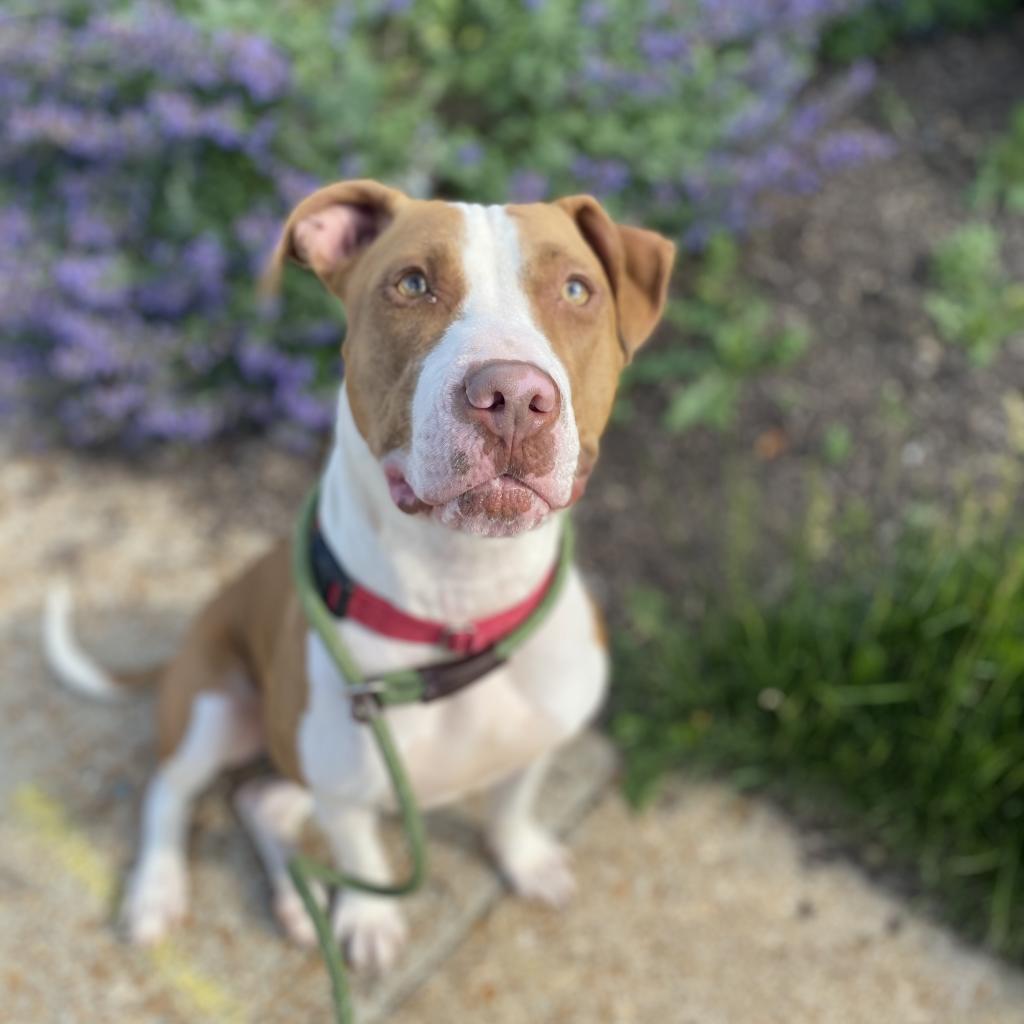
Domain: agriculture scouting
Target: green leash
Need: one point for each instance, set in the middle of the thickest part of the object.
(401, 687)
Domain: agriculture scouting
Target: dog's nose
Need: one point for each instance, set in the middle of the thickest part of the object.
(511, 399)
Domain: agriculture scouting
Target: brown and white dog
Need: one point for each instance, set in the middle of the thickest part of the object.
(483, 349)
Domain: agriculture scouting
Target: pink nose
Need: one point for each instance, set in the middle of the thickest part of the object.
(512, 400)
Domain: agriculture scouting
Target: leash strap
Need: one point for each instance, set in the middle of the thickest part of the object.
(369, 696)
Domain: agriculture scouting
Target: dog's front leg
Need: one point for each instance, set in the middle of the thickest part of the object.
(534, 862)
(371, 928)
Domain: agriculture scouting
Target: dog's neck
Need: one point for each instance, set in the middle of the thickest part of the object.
(415, 563)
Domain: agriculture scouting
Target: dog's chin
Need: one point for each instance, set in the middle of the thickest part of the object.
(502, 507)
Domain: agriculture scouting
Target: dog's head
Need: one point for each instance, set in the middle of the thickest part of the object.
(484, 343)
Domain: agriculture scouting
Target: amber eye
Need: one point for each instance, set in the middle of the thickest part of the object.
(575, 291)
(412, 285)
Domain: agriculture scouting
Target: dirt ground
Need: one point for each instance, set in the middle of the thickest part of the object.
(850, 263)
(706, 910)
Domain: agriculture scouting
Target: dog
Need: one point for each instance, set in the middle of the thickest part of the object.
(482, 353)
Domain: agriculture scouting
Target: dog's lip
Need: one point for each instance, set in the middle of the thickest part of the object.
(406, 498)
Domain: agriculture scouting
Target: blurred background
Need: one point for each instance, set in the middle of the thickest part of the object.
(805, 525)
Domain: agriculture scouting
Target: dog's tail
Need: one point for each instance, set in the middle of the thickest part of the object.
(70, 663)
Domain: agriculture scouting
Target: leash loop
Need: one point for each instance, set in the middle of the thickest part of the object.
(369, 697)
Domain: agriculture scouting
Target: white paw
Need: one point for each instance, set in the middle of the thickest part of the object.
(292, 915)
(371, 930)
(156, 899)
(537, 867)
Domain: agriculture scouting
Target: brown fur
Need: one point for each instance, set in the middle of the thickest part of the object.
(254, 629)
(384, 346)
(253, 632)
(627, 270)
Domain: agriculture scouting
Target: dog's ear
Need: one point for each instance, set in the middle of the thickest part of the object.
(638, 264)
(328, 230)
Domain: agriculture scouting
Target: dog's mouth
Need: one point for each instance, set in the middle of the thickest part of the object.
(501, 500)
(502, 505)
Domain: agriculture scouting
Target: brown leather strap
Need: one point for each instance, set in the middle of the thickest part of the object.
(449, 677)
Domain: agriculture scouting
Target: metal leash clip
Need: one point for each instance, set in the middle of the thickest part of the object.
(365, 698)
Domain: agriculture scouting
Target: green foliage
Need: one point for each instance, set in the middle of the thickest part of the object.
(724, 333)
(837, 443)
(883, 23)
(1000, 183)
(674, 113)
(893, 691)
(974, 303)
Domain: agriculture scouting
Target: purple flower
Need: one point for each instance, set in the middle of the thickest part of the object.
(469, 154)
(117, 401)
(314, 412)
(224, 125)
(98, 282)
(528, 186)
(88, 347)
(293, 186)
(848, 148)
(190, 423)
(257, 232)
(660, 47)
(169, 294)
(257, 65)
(206, 261)
(90, 229)
(323, 334)
(147, 168)
(177, 114)
(605, 177)
(15, 227)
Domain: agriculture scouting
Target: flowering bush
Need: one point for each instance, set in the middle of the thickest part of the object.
(142, 188)
(149, 153)
(677, 112)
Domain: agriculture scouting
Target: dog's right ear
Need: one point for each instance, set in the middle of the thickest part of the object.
(328, 230)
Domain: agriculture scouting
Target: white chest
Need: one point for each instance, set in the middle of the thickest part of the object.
(461, 743)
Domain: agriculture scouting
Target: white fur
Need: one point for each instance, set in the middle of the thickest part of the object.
(494, 323)
(499, 732)
(66, 658)
(414, 561)
(222, 731)
(496, 734)
(274, 812)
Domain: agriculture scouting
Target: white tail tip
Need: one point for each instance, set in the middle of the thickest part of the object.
(66, 658)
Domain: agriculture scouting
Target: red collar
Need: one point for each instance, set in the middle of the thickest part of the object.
(347, 599)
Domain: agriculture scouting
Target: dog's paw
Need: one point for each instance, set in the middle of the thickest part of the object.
(155, 901)
(292, 915)
(537, 867)
(372, 931)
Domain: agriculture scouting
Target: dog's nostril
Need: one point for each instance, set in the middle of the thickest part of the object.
(511, 399)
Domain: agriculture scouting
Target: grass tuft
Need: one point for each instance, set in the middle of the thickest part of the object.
(973, 301)
(893, 690)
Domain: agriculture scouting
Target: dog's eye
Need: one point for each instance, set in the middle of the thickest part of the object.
(575, 291)
(412, 285)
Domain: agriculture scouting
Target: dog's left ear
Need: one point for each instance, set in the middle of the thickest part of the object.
(638, 264)
(329, 229)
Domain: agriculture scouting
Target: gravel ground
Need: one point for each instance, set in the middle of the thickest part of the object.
(709, 909)
(142, 557)
(705, 910)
